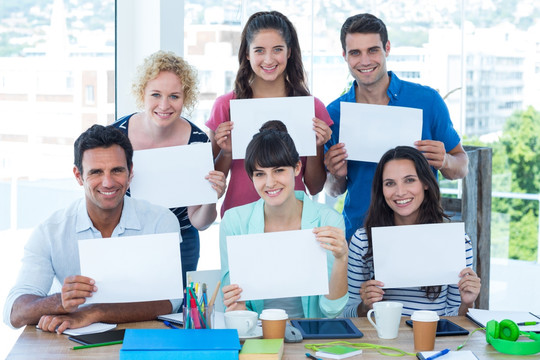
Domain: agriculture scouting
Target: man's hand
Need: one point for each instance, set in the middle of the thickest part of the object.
(434, 152)
(59, 323)
(453, 164)
(335, 161)
(75, 290)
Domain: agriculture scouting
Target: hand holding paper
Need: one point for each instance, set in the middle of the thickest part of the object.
(75, 290)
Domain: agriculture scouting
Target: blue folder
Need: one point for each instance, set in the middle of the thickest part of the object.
(162, 344)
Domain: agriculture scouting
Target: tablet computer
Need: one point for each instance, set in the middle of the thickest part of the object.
(327, 328)
(99, 338)
(446, 328)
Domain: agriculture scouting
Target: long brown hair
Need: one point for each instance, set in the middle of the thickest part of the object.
(295, 77)
(430, 211)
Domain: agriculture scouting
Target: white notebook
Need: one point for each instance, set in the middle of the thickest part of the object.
(481, 317)
(452, 355)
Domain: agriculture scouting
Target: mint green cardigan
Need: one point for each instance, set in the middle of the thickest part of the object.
(249, 219)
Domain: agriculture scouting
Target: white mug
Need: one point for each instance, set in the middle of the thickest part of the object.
(387, 318)
(242, 320)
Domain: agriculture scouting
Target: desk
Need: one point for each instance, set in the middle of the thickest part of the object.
(35, 344)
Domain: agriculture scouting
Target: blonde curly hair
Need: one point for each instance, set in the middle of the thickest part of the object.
(166, 61)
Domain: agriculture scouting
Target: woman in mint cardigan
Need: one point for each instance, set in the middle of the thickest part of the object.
(272, 163)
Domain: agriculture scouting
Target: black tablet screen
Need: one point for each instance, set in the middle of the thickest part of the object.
(326, 327)
(99, 338)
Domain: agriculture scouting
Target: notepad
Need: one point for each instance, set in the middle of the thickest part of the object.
(90, 329)
(451, 355)
(338, 352)
(175, 318)
(262, 349)
(481, 317)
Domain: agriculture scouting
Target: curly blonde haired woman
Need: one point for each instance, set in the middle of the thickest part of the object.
(165, 86)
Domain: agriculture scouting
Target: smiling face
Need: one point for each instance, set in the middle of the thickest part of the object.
(164, 99)
(268, 54)
(403, 190)
(366, 58)
(105, 179)
(275, 185)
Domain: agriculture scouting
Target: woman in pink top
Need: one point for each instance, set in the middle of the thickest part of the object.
(270, 66)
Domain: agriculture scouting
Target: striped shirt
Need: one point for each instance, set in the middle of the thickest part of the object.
(361, 269)
(197, 136)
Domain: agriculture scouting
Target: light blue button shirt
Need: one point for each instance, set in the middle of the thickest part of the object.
(52, 250)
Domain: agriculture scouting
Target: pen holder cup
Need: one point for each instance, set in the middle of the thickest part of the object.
(198, 318)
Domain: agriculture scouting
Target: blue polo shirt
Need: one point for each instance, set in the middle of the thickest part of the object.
(436, 126)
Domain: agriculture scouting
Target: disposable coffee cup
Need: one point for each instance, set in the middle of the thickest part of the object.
(274, 322)
(424, 329)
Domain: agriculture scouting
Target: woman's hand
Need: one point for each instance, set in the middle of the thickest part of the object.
(322, 131)
(223, 136)
(469, 286)
(333, 239)
(218, 181)
(371, 292)
(231, 295)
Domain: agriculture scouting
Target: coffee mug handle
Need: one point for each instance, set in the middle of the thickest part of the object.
(370, 320)
(249, 323)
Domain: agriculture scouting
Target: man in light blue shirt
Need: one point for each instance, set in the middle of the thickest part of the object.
(103, 166)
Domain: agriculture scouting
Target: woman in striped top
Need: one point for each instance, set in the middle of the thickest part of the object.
(404, 192)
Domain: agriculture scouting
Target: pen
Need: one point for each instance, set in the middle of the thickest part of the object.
(170, 325)
(440, 353)
(213, 298)
(528, 323)
(96, 345)
(309, 356)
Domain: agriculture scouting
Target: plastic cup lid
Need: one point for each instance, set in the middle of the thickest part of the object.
(273, 314)
(424, 315)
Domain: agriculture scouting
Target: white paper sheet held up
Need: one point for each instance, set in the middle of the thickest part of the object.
(368, 131)
(277, 264)
(174, 176)
(133, 268)
(418, 255)
(296, 112)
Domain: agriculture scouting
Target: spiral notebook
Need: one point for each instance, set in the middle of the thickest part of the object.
(481, 317)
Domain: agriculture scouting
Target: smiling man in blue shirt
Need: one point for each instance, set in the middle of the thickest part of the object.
(365, 43)
(103, 166)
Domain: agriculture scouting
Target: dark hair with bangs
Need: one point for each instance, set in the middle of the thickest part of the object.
(271, 147)
(364, 24)
(430, 211)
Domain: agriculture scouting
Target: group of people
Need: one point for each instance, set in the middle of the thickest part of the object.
(266, 192)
